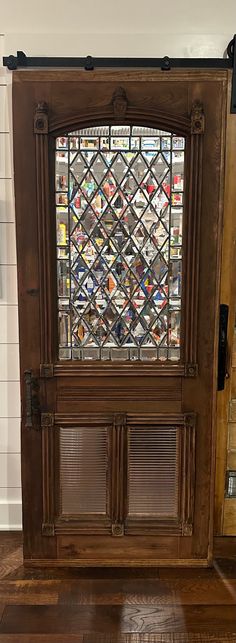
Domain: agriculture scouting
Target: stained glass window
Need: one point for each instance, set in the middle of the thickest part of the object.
(119, 212)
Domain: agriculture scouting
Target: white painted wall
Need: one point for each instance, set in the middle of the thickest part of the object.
(10, 481)
(180, 28)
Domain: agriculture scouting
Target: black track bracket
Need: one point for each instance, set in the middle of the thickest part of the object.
(21, 61)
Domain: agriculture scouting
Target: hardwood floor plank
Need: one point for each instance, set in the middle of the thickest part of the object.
(119, 592)
(116, 592)
(205, 618)
(203, 591)
(30, 592)
(120, 638)
(99, 573)
(143, 592)
(117, 620)
(80, 619)
(2, 606)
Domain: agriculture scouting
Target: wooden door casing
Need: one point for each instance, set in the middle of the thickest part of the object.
(68, 390)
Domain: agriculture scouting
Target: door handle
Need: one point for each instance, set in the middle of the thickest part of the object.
(31, 398)
(222, 347)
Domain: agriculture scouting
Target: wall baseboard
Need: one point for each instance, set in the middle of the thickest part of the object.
(10, 515)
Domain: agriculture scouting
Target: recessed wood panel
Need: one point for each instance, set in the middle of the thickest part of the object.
(231, 459)
(230, 517)
(232, 436)
(83, 470)
(153, 472)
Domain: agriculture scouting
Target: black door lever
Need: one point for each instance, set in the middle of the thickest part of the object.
(222, 349)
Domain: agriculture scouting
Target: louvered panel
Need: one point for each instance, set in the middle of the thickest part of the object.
(154, 471)
(83, 470)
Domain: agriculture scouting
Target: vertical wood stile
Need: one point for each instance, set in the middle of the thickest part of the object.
(118, 474)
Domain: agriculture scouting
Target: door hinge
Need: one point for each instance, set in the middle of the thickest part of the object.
(46, 370)
(47, 420)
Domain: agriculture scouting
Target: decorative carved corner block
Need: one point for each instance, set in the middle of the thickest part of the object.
(41, 119)
(120, 419)
(46, 370)
(190, 420)
(197, 118)
(117, 530)
(187, 529)
(48, 529)
(191, 370)
(47, 420)
(119, 103)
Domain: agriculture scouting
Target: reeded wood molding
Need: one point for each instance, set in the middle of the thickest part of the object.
(171, 391)
(41, 119)
(150, 419)
(83, 419)
(192, 242)
(44, 236)
(133, 114)
(48, 489)
(118, 474)
(188, 472)
(63, 369)
(197, 118)
(93, 527)
(153, 527)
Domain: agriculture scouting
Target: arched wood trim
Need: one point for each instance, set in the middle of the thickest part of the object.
(180, 125)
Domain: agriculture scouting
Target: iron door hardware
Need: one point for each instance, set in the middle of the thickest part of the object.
(31, 399)
(222, 348)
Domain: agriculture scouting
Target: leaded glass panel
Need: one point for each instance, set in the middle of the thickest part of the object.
(119, 212)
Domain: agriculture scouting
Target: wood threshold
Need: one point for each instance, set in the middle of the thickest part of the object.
(93, 562)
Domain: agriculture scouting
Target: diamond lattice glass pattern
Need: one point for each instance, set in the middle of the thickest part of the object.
(119, 212)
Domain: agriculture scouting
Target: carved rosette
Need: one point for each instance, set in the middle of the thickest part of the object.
(117, 530)
(41, 119)
(191, 370)
(119, 103)
(47, 420)
(197, 118)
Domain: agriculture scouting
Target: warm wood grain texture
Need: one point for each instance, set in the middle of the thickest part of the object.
(232, 435)
(224, 546)
(230, 516)
(117, 620)
(227, 296)
(79, 99)
(232, 411)
(231, 459)
(123, 638)
(117, 605)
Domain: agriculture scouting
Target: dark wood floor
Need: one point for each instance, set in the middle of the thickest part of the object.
(115, 606)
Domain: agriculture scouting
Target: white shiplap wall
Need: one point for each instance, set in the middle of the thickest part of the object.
(10, 478)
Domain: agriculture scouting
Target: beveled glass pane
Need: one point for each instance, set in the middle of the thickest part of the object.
(119, 218)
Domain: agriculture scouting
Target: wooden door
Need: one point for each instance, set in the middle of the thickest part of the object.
(118, 178)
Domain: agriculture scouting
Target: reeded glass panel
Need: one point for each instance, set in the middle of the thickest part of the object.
(153, 471)
(119, 212)
(83, 470)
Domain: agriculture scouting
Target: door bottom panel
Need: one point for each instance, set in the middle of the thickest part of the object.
(127, 551)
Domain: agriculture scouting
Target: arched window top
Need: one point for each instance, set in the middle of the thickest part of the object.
(119, 211)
